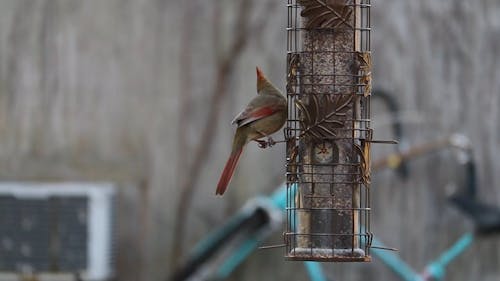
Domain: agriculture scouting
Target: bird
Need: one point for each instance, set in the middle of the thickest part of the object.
(264, 115)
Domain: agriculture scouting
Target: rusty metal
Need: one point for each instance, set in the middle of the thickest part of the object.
(328, 133)
(393, 160)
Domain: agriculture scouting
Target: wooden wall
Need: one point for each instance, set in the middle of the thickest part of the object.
(122, 91)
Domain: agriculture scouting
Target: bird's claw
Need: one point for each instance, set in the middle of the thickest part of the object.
(270, 141)
(264, 144)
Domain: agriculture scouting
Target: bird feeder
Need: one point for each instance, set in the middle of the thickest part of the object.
(328, 130)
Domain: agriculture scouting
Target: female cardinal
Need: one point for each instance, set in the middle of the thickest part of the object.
(265, 114)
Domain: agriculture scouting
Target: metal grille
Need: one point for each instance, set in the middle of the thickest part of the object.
(61, 228)
(43, 235)
(328, 130)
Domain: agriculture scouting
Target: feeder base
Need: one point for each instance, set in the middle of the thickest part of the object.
(328, 255)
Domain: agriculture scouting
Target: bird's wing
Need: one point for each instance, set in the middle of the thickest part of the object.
(254, 112)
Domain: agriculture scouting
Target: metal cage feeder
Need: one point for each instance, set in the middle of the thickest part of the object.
(328, 130)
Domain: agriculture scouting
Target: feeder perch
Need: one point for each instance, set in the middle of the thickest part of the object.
(328, 130)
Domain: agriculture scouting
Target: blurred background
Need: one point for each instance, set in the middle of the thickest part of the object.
(141, 94)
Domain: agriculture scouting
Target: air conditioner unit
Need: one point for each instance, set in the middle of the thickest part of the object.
(57, 228)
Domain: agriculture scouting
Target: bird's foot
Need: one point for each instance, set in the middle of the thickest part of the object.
(270, 141)
(264, 144)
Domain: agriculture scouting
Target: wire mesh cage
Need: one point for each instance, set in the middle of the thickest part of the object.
(328, 130)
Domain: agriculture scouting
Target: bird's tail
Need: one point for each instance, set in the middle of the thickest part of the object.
(228, 171)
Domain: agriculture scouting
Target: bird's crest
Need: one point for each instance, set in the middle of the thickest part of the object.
(261, 80)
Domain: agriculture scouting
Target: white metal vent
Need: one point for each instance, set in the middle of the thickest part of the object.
(57, 228)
